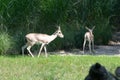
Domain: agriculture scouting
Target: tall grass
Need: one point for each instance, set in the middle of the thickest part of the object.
(53, 67)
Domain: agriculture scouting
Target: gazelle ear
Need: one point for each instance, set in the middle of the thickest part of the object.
(93, 28)
(87, 28)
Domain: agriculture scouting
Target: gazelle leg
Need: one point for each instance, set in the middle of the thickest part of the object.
(84, 46)
(41, 49)
(45, 51)
(90, 46)
(28, 48)
(93, 46)
(23, 48)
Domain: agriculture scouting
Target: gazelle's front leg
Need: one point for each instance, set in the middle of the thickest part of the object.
(45, 51)
(41, 49)
(28, 48)
(90, 46)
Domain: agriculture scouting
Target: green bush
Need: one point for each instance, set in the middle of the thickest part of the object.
(103, 31)
(41, 16)
(79, 38)
(6, 42)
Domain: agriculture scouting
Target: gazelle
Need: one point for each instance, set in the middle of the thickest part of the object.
(90, 38)
(43, 39)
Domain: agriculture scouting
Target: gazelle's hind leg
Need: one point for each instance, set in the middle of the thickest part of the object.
(93, 47)
(90, 46)
(84, 46)
(23, 48)
(29, 45)
(28, 48)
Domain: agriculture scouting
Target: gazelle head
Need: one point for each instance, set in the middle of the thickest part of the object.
(59, 33)
(90, 30)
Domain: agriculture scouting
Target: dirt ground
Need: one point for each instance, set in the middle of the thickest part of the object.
(99, 50)
(108, 50)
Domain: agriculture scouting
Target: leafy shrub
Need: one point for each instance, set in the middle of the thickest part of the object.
(5, 42)
(79, 38)
(21, 17)
(102, 32)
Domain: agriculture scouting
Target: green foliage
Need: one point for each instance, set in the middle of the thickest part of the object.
(54, 11)
(6, 42)
(79, 37)
(94, 13)
(52, 68)
(19, 40)
(102, 32)
(41, 16)
(116, 8)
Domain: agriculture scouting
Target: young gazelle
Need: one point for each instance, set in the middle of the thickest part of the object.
(43, 39)
(90, 38)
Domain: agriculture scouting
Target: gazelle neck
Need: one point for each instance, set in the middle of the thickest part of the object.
(52, 37)
(55, 34)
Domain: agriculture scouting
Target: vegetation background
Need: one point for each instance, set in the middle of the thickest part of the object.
(19, 17)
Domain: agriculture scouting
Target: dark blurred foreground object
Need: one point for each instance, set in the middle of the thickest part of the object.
(117, 72)
(99, 72)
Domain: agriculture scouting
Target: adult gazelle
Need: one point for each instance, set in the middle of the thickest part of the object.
(43, 39)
